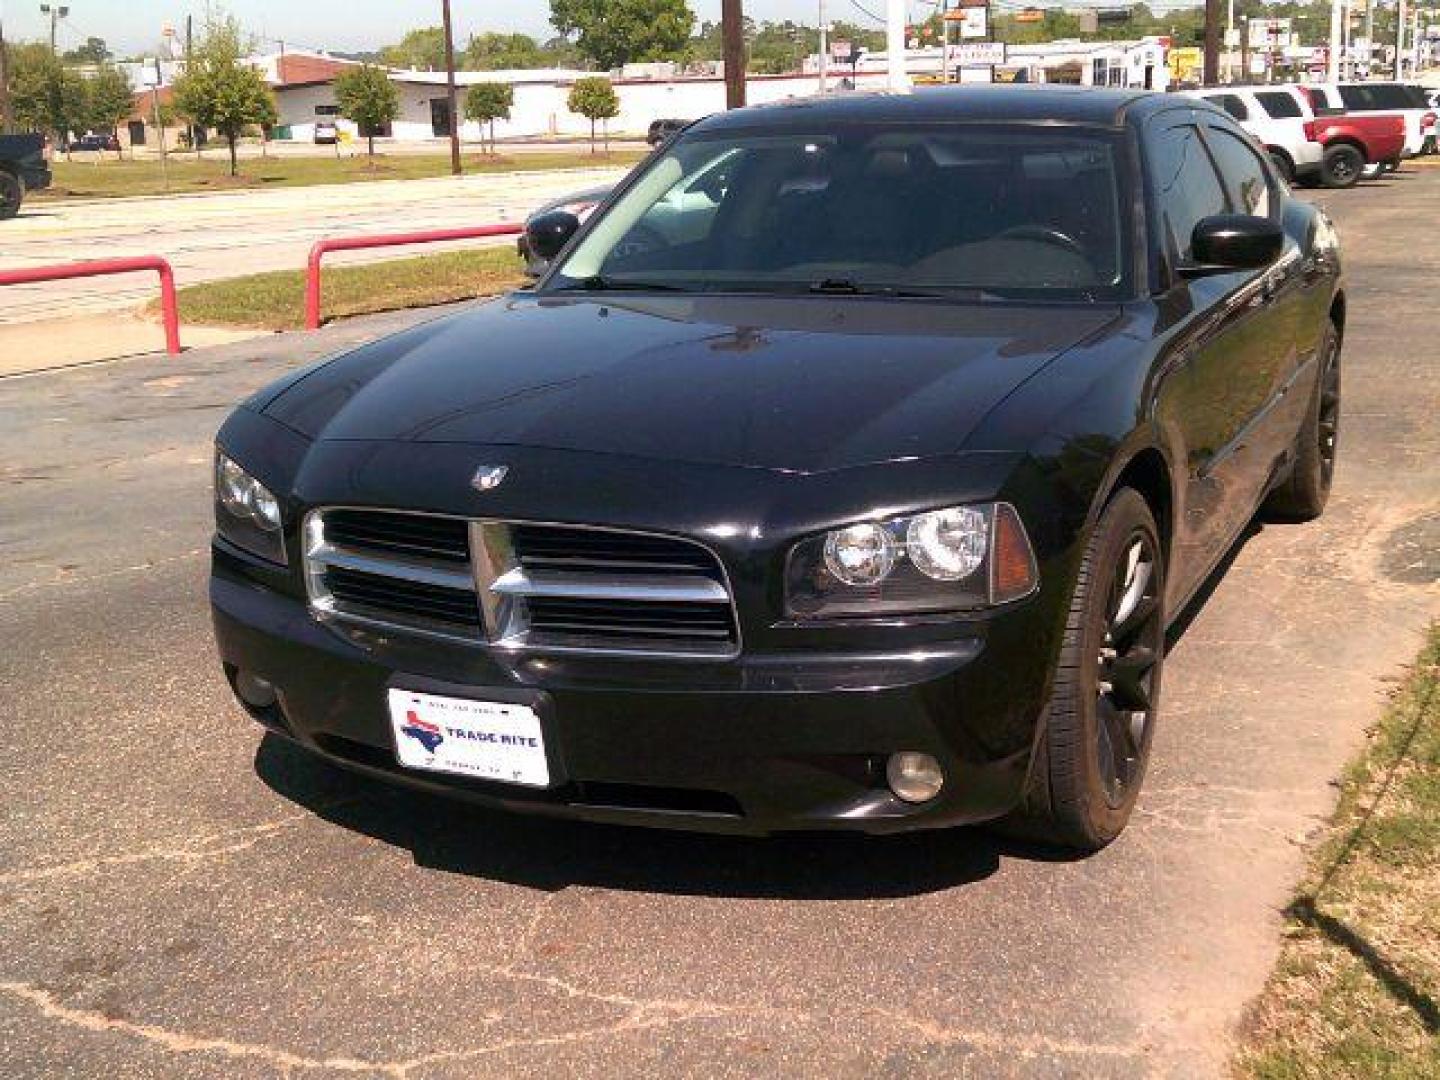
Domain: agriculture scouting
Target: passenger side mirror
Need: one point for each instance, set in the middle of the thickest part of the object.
(549, 233)
(1234, 242)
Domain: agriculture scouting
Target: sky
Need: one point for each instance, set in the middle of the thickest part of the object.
(135, 26)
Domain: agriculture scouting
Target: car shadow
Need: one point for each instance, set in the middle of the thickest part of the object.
(550, 854)
(1181, 623)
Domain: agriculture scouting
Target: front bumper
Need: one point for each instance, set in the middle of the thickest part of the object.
(757, 745)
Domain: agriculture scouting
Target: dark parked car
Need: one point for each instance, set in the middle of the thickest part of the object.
(662, 131)
(94, 143)
(22, 168)
(861, 498)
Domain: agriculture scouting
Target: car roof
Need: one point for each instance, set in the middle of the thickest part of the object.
(1013, 103)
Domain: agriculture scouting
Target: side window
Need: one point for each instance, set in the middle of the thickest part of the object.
(1245, 178)
(1186, 187)
(1232, 104)
(1279, 104)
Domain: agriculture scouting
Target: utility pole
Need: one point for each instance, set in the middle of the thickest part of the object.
(732, 30)
(895, 46)
(56, 13)
(455, 168)
(1336, 40)
(1211, 74)
(7, 115)
(824, 47)
(1399, 40)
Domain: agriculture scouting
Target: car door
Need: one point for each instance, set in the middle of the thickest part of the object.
(1219, 374)
(1280, 303)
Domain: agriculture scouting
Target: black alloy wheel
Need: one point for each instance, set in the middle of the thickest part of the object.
(1342, 166)
(1303, 495)
(1126, 666)
(1100, 720)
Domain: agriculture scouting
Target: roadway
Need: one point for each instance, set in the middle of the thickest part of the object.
(179, 895)
(209, 236)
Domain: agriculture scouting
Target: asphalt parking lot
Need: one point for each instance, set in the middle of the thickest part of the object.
(180, 895)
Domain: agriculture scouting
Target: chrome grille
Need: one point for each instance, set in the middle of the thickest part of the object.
(520, 585)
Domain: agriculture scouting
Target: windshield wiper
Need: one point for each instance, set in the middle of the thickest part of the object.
(851, 287)
(601, 283)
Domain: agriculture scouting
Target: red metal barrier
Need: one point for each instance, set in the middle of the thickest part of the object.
(103, 267)
(357, 243)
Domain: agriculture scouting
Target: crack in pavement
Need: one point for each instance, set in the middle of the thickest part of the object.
(197, 850)
(640, 1016)
(33, 586)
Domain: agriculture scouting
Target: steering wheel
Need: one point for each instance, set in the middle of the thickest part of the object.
(1044, 234)
(640, 240)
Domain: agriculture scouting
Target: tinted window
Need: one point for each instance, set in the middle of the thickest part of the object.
(1231, 104)
(1186, 187)
(1244, 175)
(1370, 97)
(1279, 105)
(1003, 209)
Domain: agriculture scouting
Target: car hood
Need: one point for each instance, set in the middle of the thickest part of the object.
(795, 384)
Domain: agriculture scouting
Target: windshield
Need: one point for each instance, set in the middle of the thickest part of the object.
(915, 210)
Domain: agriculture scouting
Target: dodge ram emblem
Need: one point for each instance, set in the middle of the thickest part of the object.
(488, 477)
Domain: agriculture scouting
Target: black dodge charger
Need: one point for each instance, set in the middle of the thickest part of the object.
(844, 471)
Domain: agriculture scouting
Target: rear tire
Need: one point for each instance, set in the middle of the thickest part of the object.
(1302, 497)
(1099, 721)
(1342, 166)
(12, 193)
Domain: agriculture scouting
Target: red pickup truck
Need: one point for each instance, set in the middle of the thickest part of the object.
(1354, 140)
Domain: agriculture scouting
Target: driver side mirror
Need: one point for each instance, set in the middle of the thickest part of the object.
(1234, 242)
(549, 233)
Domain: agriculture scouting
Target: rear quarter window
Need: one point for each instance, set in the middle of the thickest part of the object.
(1279, 105)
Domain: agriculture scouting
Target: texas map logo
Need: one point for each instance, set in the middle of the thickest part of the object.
(425, 733)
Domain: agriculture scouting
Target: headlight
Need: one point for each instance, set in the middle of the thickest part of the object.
(952, 559)
(247, 512)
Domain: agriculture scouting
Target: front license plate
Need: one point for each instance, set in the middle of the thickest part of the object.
(487, 740)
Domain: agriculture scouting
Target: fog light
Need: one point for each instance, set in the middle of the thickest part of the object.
(916, 778)
(254, 691)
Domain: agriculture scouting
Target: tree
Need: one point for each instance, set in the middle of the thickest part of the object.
(613, 33)
(367, 96)
(94, 51)
(109, 101)
(45, 95)
(488, 102)
(422, 50)
(219, 90)
(595, 99)
(501, 52)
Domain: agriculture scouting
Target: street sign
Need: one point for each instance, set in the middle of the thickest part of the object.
(981, 54)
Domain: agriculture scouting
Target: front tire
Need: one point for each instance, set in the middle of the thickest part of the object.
(1099, 721)
(1342, 166)
(12, 194)
(1302, 497)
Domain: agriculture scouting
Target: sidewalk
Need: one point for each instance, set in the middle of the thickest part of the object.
(56, 343)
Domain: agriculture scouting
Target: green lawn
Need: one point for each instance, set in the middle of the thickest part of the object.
(275, 301)
(115, 178)
(1357, 990)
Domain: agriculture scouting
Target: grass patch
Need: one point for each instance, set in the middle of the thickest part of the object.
(1357, 990)
(276, 300)
(118, 179)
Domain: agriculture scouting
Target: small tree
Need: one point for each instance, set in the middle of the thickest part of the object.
(368, 97)
(595, 99)
(220, 91)
(108, 100)
(487, 102)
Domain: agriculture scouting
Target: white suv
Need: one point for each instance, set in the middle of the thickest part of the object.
(1380, 97)
(1279, 119)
